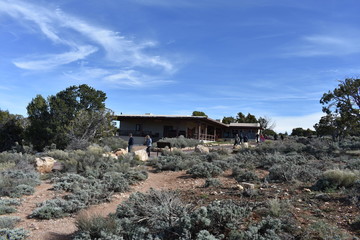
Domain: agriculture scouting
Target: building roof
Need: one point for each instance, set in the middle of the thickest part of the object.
(244, 125)
(203, 118)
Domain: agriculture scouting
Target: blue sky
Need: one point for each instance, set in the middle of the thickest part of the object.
(268, 58)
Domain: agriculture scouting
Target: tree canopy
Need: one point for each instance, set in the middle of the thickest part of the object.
(51, 120)
(199, 113)
(342, 106)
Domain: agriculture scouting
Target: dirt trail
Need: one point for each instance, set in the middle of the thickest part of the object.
(62, 229)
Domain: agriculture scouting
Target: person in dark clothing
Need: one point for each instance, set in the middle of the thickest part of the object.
(236, 140)
(241, 138)
(130, 143)
(148, 143)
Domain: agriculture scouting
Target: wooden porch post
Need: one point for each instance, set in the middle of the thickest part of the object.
(199, 130)
(206, 131)
(214, 133)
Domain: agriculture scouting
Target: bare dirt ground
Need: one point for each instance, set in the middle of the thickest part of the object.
(62, 229)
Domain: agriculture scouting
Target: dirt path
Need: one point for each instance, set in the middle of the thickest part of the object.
(62, 229)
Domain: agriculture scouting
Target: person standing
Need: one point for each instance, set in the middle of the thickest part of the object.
(236, 140)
(148, 143)
(130, 143)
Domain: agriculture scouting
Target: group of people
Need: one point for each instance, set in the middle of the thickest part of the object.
(147, 143)
(239, 139)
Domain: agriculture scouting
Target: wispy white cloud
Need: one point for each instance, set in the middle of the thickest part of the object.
(83, 40)
(53, 60)
(325, 45)
(134, 78)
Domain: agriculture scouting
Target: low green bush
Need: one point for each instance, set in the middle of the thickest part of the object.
(212, 182)
(16, 182)
(334, 179)
(181, 142)
(13, 234)
(162, 215)
(204, 170)
(174, 162)
(243, 175)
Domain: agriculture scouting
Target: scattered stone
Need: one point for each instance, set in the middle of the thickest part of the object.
(44, 164)
(142, 155)
(248, 185)
(120, 151)
(307, 190)
(110, 155)
(239, 187)
(202, 149)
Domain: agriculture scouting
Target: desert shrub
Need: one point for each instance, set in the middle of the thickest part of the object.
(135, 175)
(22, 189)
(68, 182)
(219, 217)
(95, 227)
(113, 143)
(162, 215)
(333, 179)
(181, 142)
(12, 182)
(56, 208)
(7, 157)
(212, 156)
(267, 229)
(6, 210)
(174, 163)
(156, 214)
(8, 222)
(13, 234)
(323, 230)
(243, 175)
(281, 146)
(221, 151)
(222, 164)
(353, 164)
(350, 143)
(204, 170)
(212, 182)
(277, 208)
(117, 182)
(7, 205)
(205, 235)
(290, 172)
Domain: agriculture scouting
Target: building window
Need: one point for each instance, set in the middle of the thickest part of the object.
(138, 127)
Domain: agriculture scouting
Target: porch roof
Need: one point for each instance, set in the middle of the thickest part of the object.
(169, 117)
(177, 117)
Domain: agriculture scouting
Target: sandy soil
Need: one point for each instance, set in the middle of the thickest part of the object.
(62, 229)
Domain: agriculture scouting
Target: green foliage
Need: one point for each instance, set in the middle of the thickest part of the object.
(13, 234)
(302, 132)
(343, 105)
(228, 120)
(8, 222)
(180, 142)
(243, 175)
(59, 119)
(162, 215)
(267, 229)
(212, 182)
(174, 163)
(11, 131)
(15, 182)
(112, 142)
(204, 170)
(326, 231)
(157, 213)
(95, 227)
(333, 179)
(198, 113)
